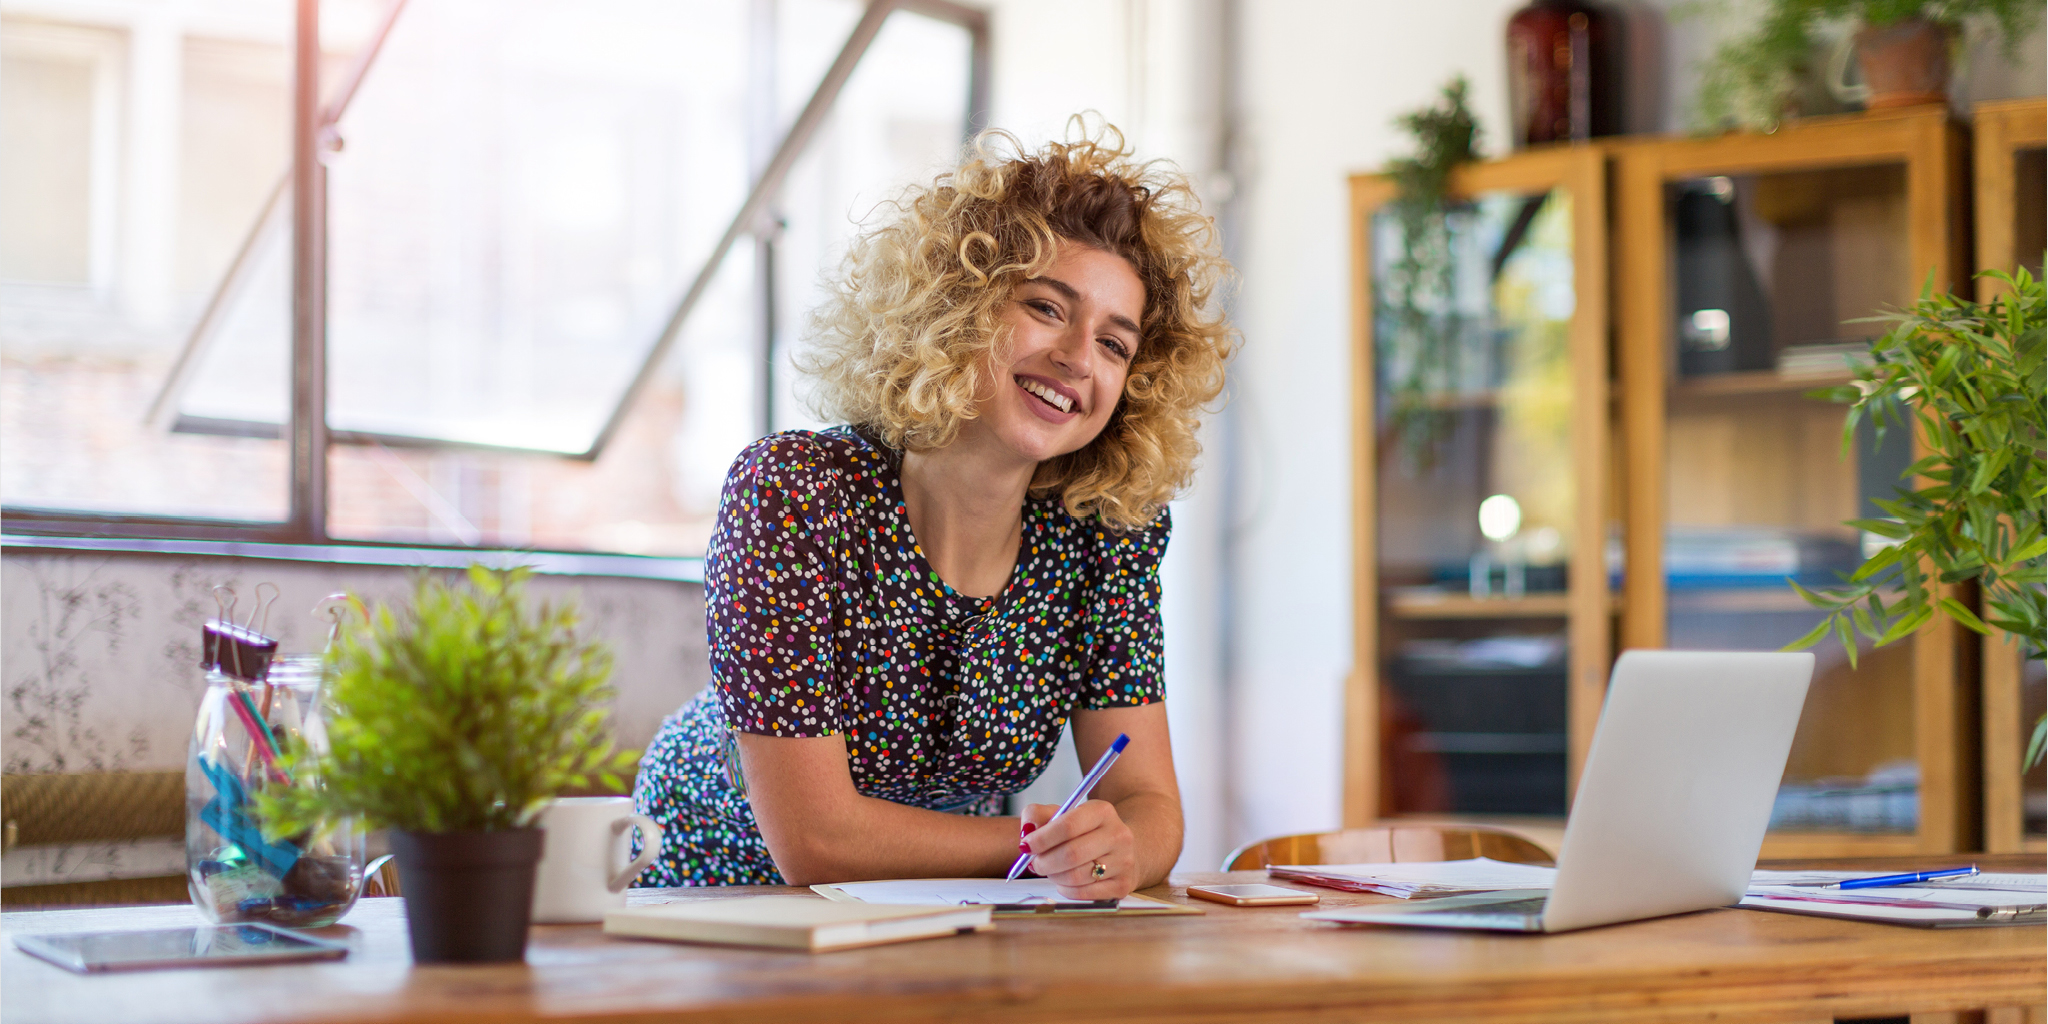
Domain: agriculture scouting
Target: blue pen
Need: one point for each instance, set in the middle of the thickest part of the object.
(1094, 776)
(1909, 878)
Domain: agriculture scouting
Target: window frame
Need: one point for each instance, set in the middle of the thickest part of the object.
(307, 432)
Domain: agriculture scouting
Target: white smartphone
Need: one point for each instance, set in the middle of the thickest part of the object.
(1255, 895)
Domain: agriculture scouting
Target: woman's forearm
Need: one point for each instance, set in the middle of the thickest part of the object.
(870, 838)
(1155, 822)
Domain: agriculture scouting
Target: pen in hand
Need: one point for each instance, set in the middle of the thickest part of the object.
(1088, 782)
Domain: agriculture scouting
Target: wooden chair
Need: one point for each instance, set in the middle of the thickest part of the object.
(1389, 844)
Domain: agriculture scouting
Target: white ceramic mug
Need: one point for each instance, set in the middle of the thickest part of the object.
(580, 875)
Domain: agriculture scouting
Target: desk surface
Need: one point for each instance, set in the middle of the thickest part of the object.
(1249, 963)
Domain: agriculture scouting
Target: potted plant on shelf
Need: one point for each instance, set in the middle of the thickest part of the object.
(452, 721)
(1902, 48)
(1970, 375)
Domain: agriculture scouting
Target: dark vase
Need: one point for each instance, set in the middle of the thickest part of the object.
(468, 895)
(1564, 72)
(1724, 318)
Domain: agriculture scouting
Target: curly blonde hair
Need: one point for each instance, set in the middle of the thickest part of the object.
(905, 344)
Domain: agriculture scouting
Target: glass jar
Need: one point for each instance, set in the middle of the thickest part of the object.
(245, 726)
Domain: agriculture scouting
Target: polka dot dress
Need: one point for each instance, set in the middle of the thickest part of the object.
(825, 619)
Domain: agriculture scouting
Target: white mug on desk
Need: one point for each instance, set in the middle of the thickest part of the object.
(583, 864)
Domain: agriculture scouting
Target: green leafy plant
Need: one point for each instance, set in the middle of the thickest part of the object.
(1972, 377)
(1421, 321)
(463, 711)
(1750, 80)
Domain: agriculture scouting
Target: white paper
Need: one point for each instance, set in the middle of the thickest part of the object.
(1479, 874)
(947, 892)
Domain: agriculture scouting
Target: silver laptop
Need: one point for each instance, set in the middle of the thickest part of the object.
(1672, 804)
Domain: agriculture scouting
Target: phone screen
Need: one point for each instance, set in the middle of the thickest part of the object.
(1254, 892)
(177, 947)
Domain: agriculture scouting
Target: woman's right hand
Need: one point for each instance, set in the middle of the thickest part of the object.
(1067, 850)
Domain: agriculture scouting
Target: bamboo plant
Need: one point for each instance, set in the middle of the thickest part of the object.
(1969, 377)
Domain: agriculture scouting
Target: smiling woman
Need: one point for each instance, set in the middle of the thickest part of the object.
(906, 612)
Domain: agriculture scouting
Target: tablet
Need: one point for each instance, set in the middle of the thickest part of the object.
(213, 945)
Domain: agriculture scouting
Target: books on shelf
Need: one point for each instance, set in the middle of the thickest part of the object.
(791, 922)
(1832, 358)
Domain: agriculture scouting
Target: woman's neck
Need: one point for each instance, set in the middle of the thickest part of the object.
(966, 508)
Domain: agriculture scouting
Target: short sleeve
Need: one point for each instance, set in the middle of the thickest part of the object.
(769, 585)
(1127, 657)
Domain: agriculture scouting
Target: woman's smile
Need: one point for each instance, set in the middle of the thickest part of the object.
(1055, 401)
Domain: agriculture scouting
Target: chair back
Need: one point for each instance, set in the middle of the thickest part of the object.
(1389, 845)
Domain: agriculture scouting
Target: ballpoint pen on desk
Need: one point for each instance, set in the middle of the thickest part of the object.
(1081, 792)
(1909, 878)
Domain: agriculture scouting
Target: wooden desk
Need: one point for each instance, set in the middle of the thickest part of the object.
(1234, 964)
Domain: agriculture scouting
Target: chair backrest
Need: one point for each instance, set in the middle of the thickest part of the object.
(1388, 845)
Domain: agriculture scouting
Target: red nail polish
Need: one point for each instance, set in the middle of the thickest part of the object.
(1023, 847)
(1028, 829)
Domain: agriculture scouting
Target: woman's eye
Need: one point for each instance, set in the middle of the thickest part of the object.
(1044, 307)
(1118, 347)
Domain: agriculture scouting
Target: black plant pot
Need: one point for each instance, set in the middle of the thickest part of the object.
(468, 895)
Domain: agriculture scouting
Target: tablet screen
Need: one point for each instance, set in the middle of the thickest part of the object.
(177, 947)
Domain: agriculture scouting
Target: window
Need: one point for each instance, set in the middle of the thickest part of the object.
(519, 195)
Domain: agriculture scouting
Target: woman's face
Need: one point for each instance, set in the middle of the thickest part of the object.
(1073, 334)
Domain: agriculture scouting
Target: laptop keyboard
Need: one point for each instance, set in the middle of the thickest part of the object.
(1530, 906)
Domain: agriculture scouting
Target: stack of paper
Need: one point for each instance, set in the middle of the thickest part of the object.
(1420, 878)
(1971, 901)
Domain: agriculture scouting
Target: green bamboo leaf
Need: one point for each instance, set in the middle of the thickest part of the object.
(1813, 636)
(1961, 614)
(1841, 624)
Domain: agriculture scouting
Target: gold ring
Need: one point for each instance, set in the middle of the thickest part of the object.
(1099, 871)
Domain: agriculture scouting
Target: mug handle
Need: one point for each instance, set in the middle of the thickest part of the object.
(1840, 58)
(650, 848)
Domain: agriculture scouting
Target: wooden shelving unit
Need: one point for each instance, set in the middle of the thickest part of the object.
(2010, 140)
(1737, 450)
(1585, 610)
(1654, 450)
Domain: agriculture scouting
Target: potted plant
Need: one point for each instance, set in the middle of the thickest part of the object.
(1902, 47)
(1419, 323)
(451, 721)
(1970, 375)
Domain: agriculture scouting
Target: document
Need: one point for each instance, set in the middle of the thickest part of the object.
(1023, 895)
(1973, 901)
(1420, 878)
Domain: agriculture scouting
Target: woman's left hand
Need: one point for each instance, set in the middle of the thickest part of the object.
(1069, 850)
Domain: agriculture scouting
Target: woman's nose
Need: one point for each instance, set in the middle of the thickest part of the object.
(1075, 354)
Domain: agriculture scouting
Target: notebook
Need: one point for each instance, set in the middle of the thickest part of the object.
(1977, 901)
(1672, 803)
(791, 922)
(1015, 897)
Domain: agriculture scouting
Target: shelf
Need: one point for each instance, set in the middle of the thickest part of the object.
(1776, 599)
(1754, 382)
(1450, 401)
(1746, 599)
(1428, 603)
(1789, 844)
